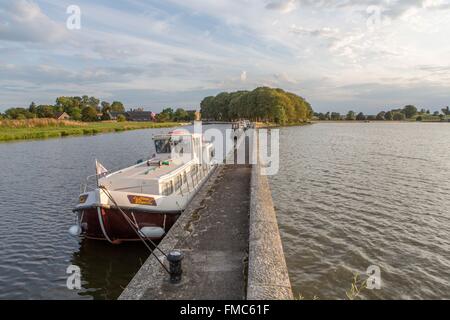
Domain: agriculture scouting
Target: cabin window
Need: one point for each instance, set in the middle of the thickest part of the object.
(168, 188)
(162, 146)
(194, 170)
(181, 145)
(178, 182)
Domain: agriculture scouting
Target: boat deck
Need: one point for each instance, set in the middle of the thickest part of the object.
(143, 172)
(141, 178)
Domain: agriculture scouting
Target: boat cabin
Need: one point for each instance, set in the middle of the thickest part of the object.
(179, 157)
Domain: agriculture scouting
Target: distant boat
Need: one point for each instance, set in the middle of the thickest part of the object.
(145, 200)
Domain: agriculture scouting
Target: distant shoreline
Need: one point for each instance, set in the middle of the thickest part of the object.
(375, 121)
(261, 125)
(19, 130)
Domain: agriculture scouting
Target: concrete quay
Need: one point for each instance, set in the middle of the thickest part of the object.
(230, 239)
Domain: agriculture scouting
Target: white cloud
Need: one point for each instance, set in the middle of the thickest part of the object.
(23, 20)
(284, 6)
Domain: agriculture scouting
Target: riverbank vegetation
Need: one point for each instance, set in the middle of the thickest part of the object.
(83, 108)
(260, 105)
(11, 130)
(177, 115)
(408, 113)
(91, 109)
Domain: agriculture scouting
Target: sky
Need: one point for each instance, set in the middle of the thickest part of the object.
(338, 54)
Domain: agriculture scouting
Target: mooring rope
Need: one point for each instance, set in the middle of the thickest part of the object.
(108, 194)
(100, 220)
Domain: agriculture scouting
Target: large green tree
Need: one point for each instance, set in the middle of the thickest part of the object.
(117, 106)
(261, 104)
(381, 116)
(180, 115)
(45, 111)
(19, 114)
(89, 114)
(106, 107)
(361, 117)
(351, 115)
(389, 116)
(410, 111)
(335, 116)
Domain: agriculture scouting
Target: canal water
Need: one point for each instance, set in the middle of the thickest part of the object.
(349, 196)
(39, 185)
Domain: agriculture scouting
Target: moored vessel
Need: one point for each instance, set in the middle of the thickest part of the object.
(144, 201)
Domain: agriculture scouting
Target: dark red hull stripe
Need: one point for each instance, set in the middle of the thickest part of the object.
(116, 226)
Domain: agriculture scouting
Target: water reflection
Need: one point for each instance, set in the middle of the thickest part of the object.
(104, 274)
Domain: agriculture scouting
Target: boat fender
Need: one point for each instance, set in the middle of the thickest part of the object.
(75, 230)
(152, 232)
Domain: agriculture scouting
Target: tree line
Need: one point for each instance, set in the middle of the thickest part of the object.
(88, 109)
(83, 108)
(407, 113)
(180, 114)
(261, 104)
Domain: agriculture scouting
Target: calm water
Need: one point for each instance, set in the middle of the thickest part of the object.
(39, 186)
(348, 196)
(353, 195)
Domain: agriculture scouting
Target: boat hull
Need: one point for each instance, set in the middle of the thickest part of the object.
(109, 224)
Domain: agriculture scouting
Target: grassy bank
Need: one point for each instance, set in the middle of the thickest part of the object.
(11, 130)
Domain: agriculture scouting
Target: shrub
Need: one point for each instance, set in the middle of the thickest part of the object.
(121, 118)
(381, 116)
(89, 114)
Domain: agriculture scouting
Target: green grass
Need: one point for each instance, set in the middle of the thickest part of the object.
(11, 131)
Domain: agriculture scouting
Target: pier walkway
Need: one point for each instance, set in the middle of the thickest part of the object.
(213, 234)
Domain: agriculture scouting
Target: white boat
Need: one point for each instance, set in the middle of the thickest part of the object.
(146, 199)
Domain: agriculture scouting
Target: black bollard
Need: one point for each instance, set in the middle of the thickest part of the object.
(175, 258)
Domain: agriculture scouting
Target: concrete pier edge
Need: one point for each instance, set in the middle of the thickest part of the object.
(268, 277)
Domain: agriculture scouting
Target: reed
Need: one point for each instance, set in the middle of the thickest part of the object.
(358, 285)
(11, 130)
(39, 123)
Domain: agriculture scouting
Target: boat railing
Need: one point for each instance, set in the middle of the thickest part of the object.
(90, 183)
